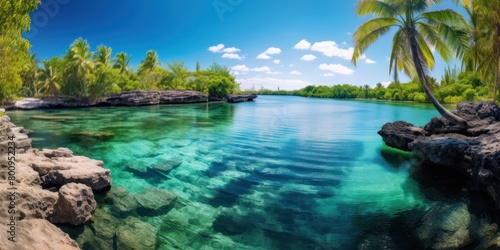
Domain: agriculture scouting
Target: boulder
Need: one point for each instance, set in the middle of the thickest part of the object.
(446, 227)
(59, 167)
(121, 201)
(155, 200)
(399, 134)
(38, 234)
(167, 166)
(75, 205)
(134, 234)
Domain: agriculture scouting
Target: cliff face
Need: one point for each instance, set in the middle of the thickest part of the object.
(473, 152)
(43, 186)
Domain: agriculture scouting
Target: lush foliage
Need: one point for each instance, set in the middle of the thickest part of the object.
(87, 74)
(14, 20)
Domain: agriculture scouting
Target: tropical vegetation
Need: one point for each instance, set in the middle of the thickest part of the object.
(89, 75)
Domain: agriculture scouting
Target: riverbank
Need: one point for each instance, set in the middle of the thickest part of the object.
(42, 188)
(127, 98)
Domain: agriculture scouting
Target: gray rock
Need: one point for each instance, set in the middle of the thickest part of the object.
(75, 205)
(474, 152)
(122, 202)
(134, 234)
(446, 227)
(167, 166)
(155, 200)
(241, 98)
(399, 134)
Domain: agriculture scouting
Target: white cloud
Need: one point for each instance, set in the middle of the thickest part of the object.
(231, 50)
(263, 56)
(236, 73)
(273, 83)
(242, 68)
(327, 75)
(369, 61)
(336, 68)
(386, 84)
(273, 72)
(308, 58)
(295, 72)
(232, 56)
(277, 61)
(387, 58)
(331, 49)
(217, 48)
(261, 69)
(291, 65)
(270, 51)
(349, 33)
(303, 44)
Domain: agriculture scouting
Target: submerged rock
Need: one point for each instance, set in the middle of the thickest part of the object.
(446, 227)
(121, 201)
(75, 205)
(155, 200)
(134, 234)
(167, 166)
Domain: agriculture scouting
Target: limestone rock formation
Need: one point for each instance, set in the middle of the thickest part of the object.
(38, 234)
(75, 205)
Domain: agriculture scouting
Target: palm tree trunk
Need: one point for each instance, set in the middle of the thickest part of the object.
(421, 75)
(495, 83)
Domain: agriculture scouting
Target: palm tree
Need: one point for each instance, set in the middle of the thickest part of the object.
(179, 74)
(416, 31)
(30, 76)
(366, 90)
(81, 64)
(150, 62)
(103, 56)
(489, 18)
(122, 62)
(50, 82)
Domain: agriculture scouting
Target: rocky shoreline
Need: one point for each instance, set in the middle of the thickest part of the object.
(42, 188)
(473, 154)
(127, 98)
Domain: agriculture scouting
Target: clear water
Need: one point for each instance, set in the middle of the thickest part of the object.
(277, 173)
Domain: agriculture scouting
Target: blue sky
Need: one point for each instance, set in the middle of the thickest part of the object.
(267, 43)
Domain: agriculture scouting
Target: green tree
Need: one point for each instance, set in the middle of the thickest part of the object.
(30, 75)
(122, 62)
(103, 56)
(49, 84)
(416, 31)
(80, 67)
(14, 19)
(150, 62)
(179, 75)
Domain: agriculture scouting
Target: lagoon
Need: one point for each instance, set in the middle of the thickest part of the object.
(276, 173)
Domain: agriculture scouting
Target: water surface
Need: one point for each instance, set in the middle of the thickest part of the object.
(277, 173)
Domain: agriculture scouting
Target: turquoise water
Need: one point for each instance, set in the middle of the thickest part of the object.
(277, 173)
